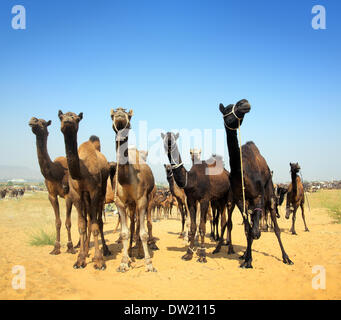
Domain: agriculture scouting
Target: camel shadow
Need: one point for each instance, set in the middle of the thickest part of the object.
(222, 254)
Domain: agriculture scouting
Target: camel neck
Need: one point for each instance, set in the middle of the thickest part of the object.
(47, 167)
(233, 148)
(294, 182)
(122, 147)
(71, 150)
(180, 174)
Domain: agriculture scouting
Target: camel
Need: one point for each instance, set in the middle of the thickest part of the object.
(88, 175)
(3, 193)
(180, 196)
(259, 189)
(206, 181)
(295, 197)
(134, 186)
(56, 176)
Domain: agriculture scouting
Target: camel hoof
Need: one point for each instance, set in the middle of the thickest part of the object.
(123, 267)
(71, 250)
(230, 250)
(246, 265)
(294, 233)
(216, 250)
(100, 264)
(306, 230)
(79, 264)
(187, 257)
(181, 236)
(287, 261)
(150, 268)
(106, 251)
(140, 256)
(153, 246)
(202, 260)
(55, 251)
(78, 245)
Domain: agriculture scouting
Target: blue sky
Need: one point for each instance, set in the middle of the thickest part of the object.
(173, 62)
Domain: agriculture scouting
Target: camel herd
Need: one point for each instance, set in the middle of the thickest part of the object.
(87, 181)
(12, 192)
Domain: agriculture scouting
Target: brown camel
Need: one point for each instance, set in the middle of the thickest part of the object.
(206, 181)
(3, 193)
(134, 186)
(56, 176)
(295, 197)
(259, 189)
(88, 175)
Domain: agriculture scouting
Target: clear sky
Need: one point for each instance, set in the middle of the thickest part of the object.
(173, 62)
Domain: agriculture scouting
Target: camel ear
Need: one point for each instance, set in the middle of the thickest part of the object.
(162, 135)
(191, 151)
(176, 136)
(60, 114)
(112, 112)
(165, 165)
(48, 123)
(221, 108)
(80, 116)
(131, 112)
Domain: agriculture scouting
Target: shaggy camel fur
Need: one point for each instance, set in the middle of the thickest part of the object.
(206, 181)
(135, 184)
(259, 189)
(56, 176)
(89, 171)
(295, 197)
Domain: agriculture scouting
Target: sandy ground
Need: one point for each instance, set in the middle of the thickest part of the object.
(52, 277)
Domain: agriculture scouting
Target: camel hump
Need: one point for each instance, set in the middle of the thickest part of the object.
(96, 142)
(250, 146)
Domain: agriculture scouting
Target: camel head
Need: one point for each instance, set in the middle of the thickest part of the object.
(120, 119)
(39, 126)
(234, 112)
(169, 140)
(294, 167)
(69, 121)
(195, 155)
(280, 193)
(169, 172)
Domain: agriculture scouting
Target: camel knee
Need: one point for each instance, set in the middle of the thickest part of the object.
(143, 236)
(124, 235)
(68, 225)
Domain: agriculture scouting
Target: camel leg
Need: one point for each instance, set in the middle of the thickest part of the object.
(183, 220)
(230, 208)
(142, 205)
(223, 221)
(81, 259)
(303, 216)
(58, 223)
(106, 251)
(192, 231)
(118, 223)
(70, 248)
(277, 230)
(132, 234)
(292, 230)
(95, 211)
(151, 239)
(202, 231)
(125, 262)
(247, 256)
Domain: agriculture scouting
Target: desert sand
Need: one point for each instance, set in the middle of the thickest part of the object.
(53, 277)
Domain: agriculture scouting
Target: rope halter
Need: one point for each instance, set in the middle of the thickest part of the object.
(232, 112)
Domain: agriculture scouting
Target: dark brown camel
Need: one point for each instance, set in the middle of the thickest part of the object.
(56, 176)
(259, 189)
(89, 171)
(135, 184)
(180, 196)
(205, 182)
(295, 197)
